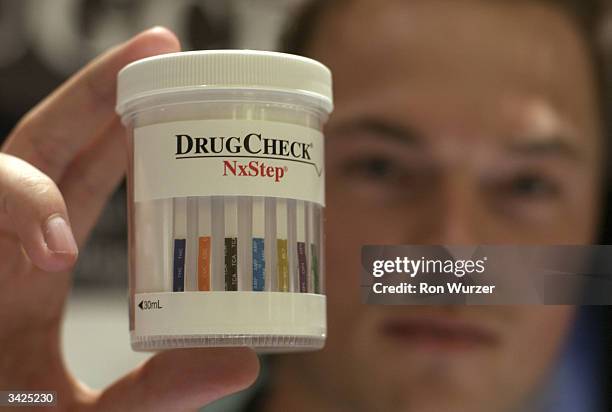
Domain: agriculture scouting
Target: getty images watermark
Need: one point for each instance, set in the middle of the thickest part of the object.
(487, 274)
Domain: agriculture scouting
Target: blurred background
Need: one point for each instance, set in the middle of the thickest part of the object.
(42, 42)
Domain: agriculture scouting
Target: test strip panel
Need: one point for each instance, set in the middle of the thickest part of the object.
(280, 238)
(180, 243)
(204, 243)
(258, 250)
(231, 243)
(282, 250)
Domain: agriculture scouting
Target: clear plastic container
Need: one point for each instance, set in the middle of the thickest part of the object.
(225, 198)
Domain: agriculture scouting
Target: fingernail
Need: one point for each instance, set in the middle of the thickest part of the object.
(59, 237)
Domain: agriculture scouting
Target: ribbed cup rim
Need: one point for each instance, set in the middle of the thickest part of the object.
(224, 69)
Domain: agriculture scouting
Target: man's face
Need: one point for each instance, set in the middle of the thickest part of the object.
(456, 122)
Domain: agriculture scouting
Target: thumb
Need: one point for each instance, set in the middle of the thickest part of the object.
(182, 380)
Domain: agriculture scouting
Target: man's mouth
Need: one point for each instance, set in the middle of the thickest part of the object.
(438, 333)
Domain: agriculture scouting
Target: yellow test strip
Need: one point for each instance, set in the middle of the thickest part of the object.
(282, 252)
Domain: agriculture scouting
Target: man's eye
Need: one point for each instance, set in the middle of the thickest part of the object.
(373, 168)
(532, 187)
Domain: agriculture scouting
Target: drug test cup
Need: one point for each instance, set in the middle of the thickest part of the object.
(225, 197)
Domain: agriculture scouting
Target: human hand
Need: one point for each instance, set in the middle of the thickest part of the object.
(57, 169)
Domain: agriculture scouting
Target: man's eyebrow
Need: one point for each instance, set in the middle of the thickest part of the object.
(379, 128)
(552, 145)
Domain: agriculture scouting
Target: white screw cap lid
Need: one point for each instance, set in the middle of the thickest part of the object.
(224, 69)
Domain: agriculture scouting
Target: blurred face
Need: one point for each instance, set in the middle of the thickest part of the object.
(456, 122)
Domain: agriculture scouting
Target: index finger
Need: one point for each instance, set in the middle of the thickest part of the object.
(52, 133)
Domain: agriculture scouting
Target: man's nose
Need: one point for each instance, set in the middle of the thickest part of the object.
(458, 217)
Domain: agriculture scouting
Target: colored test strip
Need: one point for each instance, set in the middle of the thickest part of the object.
(204, 243)
(282, 257)
(231, 263)
(231, 244)
(259, 263)
(180, 243)
(315, 268)
(301, 246)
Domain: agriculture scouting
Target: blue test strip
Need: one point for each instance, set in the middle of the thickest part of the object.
(259, 265)
(178, 284)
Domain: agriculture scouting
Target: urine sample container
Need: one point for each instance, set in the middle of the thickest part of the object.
(225, 199)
